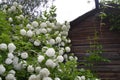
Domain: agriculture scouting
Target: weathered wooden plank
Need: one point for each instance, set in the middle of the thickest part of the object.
(104, 34)
(102, 41)
(104, 68)
(109, 76)
(110, 56)
(105, 48)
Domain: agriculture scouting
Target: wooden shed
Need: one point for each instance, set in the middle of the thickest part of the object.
(84, 27)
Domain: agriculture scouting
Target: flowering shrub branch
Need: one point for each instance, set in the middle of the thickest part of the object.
(35, 50)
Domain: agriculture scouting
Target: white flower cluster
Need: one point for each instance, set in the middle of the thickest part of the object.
(2, 69)
(14, 9)
(50, 52)
(39, 51)
(11, 47)
(80, 78)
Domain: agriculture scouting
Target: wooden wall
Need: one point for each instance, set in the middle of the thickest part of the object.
(79, 34)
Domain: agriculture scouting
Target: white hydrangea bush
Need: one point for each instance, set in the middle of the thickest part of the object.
(36, 49)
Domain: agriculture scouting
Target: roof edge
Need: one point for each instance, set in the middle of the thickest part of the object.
(84, 16)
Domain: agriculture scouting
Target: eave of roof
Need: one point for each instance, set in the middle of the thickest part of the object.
(93, 12)
(84, 16)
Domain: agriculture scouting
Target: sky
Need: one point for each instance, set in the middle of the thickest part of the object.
(68, 10)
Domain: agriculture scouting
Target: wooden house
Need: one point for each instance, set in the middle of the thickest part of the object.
(84, 27)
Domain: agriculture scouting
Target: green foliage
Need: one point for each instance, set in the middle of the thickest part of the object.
(19, 49)
(110, 1)
(112, 17)
(114, 22)
(94, 53)
(4, 29)
(102, 15)
(30, 6)
(69, 70)
(49, 15)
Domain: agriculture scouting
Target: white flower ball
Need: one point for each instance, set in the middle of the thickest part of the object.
(52, 25)
(60, 58)
(15, 4)
(97, 79)
(44, 72)
(32, 77)
(44, 49)
(68, 26)
(37, 31)
(40, 58)
(69, 41)
(49, 29)
(50, 52)
(58, 39)
(11, 47)
(12, 72)
(76, 58)
(20, 7)
(35, 24)
(67, 49)
(23, 32)
(4, 11)
(48, 23)
(43, 30)
(64, 33)
(58, 24)
(38, 77)
(8, 61)
(52, 41)
(47, 36)
(10, 55)
(15, 60)
(56, 32)
(21, 16)
(29, 26)
(24, 64)
(18, 18)
(82, 77)
(77, 78)
(62, 44)
(29, 33)
(10, 20)
(24, 55)
(37, 69)
(57, 78)
(61, 52)
(67, 23)
(10, 77)
(47, 78)
(5, 6)
(9, 10)
(0, 78)
(30, 68)
(65, 56)
(40, 30)
(2, 69)
(71, 57)
(43, 25)
(37, 43)
(17, 66)
(64, 28)
(13, 8)
(50, 63)
(3, 46)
